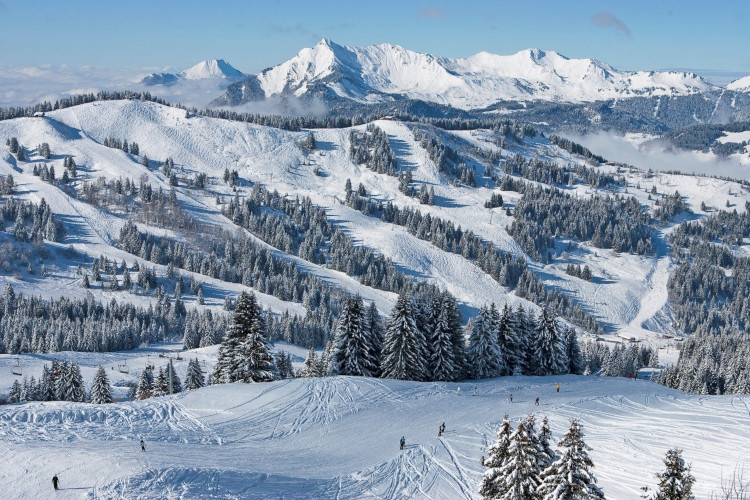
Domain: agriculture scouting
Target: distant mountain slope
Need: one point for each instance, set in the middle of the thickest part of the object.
(384, 72)
(208, 69)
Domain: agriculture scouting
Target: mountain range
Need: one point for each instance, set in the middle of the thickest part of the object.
(385, 72)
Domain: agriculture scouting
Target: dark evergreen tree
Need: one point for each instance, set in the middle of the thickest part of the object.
(570, 476)
(550, 349)
(520, 469)
(493, 481)
(483, 352)
(404, 346)
(101, 392)
(676, 482)
(145, 385)
(352, 352)
(195, 377)
(575, 358)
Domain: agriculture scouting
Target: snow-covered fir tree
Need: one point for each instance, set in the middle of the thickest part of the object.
(404, 354)
(176, 384)
(519, 471)
(352, 351)
(101, 392)
(145, 385)
(244, 355)
(551, 350)
(676, 482)
(575, 358)
(374, 328)
(15, 392)
(195, 377)
(511, 348)
(161, 384)
(483, 352)
(443, 365)
(492, 479)
(570, 476)
(311, 365)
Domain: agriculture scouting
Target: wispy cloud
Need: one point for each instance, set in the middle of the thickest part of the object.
(609, 20)
(297, 29)
(432, 12)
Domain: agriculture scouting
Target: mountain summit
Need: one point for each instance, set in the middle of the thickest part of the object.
(208, 69)
(382, 72)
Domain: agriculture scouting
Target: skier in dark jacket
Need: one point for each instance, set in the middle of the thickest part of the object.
(403, 442)
(143, 445)
(54, 481)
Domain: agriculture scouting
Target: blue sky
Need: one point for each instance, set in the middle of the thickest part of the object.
(253, 35)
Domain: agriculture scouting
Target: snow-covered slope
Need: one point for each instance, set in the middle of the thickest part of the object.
(338, 438)
(622, 298)
(740, 85)
(380, 72)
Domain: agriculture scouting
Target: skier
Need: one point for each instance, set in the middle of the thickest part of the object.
(54, 481)
(511, 398)
(558, 387)
(482, 460)
(440, 431)
(442, 428)
(537, 401)
(475, 390)
(143, 445)
(403, 442)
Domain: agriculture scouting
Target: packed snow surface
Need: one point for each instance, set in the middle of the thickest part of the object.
(338, 438)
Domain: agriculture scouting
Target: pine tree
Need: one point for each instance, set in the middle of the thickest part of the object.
(551, 349)
(442, 363)
(453, 321)
(404, 346)
(74, 388)
(483, 351)
(352, 353)
(519, 471)
(492, 480)
(145, 385)
(15, 392)
(244, 355)
(161, 384)
(195, 378)
(101, 393)
(170, 372)
(575, 358)
(511, 349)
(374, 336)
(570, 475)
(311, 364)
(676, 482)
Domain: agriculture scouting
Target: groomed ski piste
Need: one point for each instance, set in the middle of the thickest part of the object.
(337, 437)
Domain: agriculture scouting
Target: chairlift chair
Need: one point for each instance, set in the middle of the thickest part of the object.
(16, 370)
(123, 367)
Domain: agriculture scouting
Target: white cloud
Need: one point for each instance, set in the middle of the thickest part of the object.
(659, 156)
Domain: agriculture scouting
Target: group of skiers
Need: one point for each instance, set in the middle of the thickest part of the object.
(56, 480)
(441, 428)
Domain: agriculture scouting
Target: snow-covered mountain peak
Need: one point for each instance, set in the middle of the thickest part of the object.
(740, 85)
(211, 68)
(378, 72)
